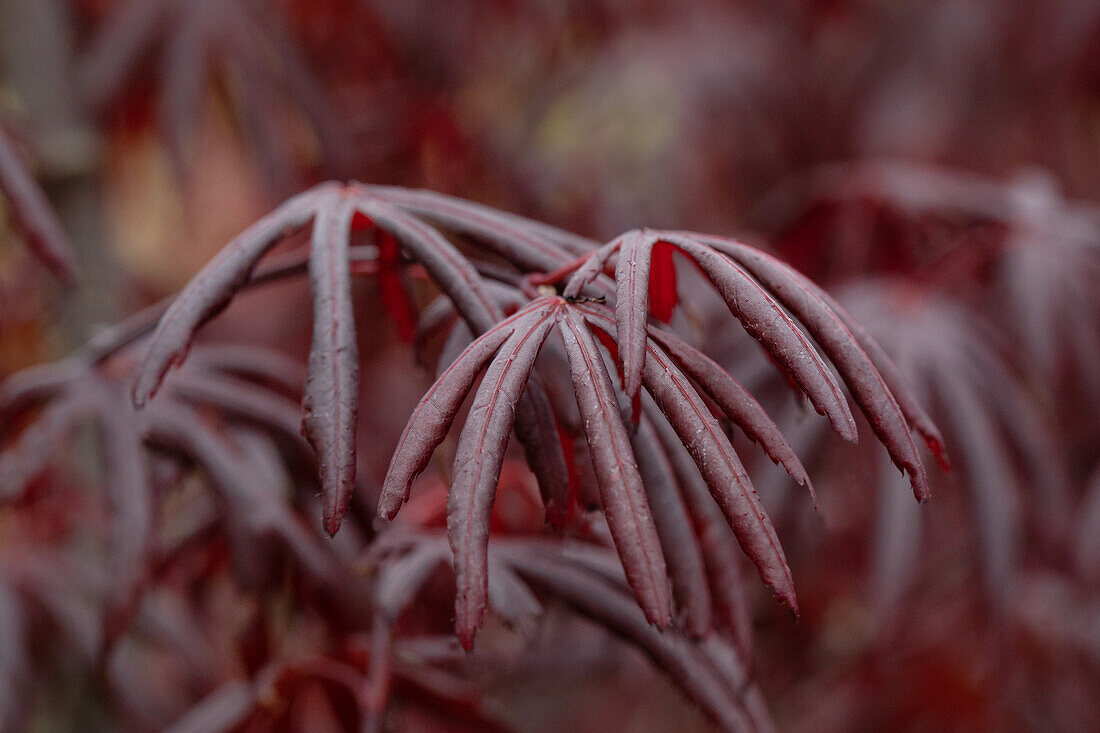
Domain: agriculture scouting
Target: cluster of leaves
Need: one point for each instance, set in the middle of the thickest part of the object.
(635, 404)
(674, 494)
(757, 289)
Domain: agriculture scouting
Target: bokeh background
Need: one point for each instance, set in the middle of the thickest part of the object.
(935, 164)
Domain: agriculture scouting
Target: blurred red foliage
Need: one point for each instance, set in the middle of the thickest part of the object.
(933, 165)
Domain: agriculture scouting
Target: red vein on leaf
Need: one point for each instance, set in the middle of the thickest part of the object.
(477, 466)
(692, 421)
(433, 415)
(625, 504)
(737, 403)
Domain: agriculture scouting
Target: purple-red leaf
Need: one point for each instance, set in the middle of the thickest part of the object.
(478, 461)
(621, 489)
(118, 46)
(537, 429)
(216, 284)
(528, 244)
(988, 465)
(591, 266)
(674, 527)
(129, 499)
(759, 313)
(33, 216)
(476, 303)
(400, 579)
(703, 437)
(738, 404)
(887, 403)
(331, 401)
(535, 424)
(244, 401)
(37, 444)
(716, 540)
(452, 272)
(509, 597)
(268, 367)
(432, 418)
(632, 306)
(254, 507)
(768, 323)
(24, 389)
(222, 710)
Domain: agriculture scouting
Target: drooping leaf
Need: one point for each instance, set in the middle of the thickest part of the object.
(762, 317)
(586, 269)
(189, 40)
(999, 525)
(267, 367)
(37, 444)
(331, 401)
(717, 542)
(216, 284)
(33, 216)
(621, 489)
(1004, 462)
(529, 244)
(632, 307)
(509, 597)
(243, 400)
(118, 46)
(130, 504)
(726, 477)
(718, 463)
(738, 404)
(889, 406)
(29, 387)
(400, 579)
(58, 587)
(452, 272)
(537, 429)
(432, 418)
(461, 283)
(536, 424)
(245, 477)
(249, 494)
(896, 546)
(684, 557)
(478, 461)
(222, 710)
(187, 56)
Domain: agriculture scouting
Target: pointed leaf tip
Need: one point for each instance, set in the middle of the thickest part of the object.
(478, 460)
(331, 401)
(622, 492)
